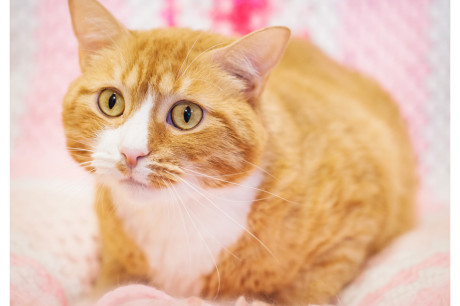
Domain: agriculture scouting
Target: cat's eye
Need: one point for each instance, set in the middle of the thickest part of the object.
(111, 102)
(185, 115)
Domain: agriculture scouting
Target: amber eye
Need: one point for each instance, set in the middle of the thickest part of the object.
(111, 103)
(186, 115)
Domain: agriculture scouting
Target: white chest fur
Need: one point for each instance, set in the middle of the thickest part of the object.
(183, 229)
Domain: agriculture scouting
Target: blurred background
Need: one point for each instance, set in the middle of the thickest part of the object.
(403, 44)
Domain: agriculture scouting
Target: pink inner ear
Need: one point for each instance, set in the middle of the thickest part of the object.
(257, 53)
(252, 57)
(94, 27)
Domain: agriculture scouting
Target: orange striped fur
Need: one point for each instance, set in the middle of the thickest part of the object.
(338, 178)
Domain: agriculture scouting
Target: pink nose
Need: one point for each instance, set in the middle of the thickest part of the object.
(132, 156)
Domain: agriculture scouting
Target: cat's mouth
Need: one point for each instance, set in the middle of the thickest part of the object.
(133, 183)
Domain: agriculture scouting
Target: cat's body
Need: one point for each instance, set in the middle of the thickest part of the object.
(279, 193)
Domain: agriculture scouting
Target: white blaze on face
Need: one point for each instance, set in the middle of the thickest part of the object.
(166, 83)
(131, 135)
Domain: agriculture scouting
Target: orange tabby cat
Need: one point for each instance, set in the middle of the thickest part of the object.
(217, 180)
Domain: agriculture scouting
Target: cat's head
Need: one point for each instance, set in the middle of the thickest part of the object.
(155, 107)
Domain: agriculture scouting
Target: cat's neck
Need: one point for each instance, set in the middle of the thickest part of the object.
(184, 228)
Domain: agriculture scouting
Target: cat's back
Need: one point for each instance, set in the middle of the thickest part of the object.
(309, 77)
(317, 92)
(322, 115)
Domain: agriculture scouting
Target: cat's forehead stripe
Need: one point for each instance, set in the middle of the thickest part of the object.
(117, 73)
(134, 132)
(133, 76)
(166, 83)
(184, 84)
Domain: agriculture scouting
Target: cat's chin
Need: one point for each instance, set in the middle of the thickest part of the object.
(138, 190)
(132, 183)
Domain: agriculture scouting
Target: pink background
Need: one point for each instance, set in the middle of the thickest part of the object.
(403, 44)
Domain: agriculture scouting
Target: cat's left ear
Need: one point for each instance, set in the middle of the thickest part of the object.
(94, 27)
(252, 57)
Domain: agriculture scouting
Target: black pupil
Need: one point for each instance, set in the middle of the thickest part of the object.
(112, 100)
(187, 114)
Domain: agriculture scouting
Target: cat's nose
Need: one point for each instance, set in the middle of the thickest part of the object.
(132, 156)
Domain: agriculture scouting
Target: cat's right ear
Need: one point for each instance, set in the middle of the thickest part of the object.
(252, 58)
(94, 27)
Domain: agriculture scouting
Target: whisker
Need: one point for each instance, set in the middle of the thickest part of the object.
(87, 166)
(230, 218)
(225, 175)
(249, 187)
(202, 238)
(168, 206)
(86, 162)
(213, 236)
(236, 201)
(260, 168)
(79, 149)
(188, 53)
(183, 222)
(79, 141)
(156, 166)
(209, 232)
(198, 57)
